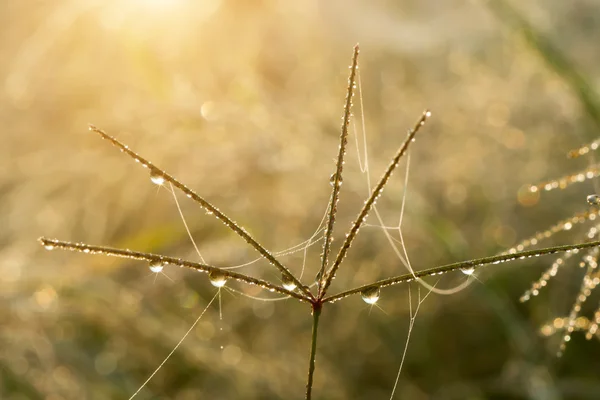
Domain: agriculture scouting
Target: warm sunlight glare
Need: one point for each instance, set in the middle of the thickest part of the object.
(158, 4)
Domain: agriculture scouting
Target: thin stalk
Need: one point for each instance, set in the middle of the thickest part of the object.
(470, 264)
(206, 205)
(51, 244)
(555, 59)
(560, 226)
(337, 176)
(362, 216)
(313, 349)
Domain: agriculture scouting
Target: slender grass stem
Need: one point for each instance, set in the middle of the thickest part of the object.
(362, 216)
(470, 264)
(149, 257)
(313, 349)
(206, 205)
(337, 176)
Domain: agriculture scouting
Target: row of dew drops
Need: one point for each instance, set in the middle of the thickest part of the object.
(369, 295)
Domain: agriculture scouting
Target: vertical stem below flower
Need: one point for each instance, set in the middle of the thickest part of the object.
(313, 349)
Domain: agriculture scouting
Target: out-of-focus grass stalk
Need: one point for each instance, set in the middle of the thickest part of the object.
(554, 58)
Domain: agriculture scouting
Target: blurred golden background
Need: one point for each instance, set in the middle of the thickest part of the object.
(241, 100)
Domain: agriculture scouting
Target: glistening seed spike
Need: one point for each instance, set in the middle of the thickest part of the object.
(584, 149)
(287, 282)
(370, 295)
(225, 219)
(364, 212)
(217, 279)
(562, 182)
(156, 266)
(579, 218)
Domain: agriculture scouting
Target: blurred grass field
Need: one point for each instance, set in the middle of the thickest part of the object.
(242, 102)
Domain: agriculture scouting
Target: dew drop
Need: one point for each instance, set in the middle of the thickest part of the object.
(217, 279)
(49, 247)
(157, 178)
(467, 271)
(156, 266)
(332, 180)
(287, 282)
(593, 199)
(370, 295)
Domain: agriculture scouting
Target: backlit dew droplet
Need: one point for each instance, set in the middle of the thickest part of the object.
(332, 180)
(370, 295)
(467, 271)
(156, 266)
(593, 199)
(49, 247)
(287, 282)
(157, 178)
(217, 279)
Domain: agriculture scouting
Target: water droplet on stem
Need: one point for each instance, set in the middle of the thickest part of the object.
(371, 295)
(217, 278)
(593, 199)
(157, 178)
(156, 266)
(332, 180)
(287, 282)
